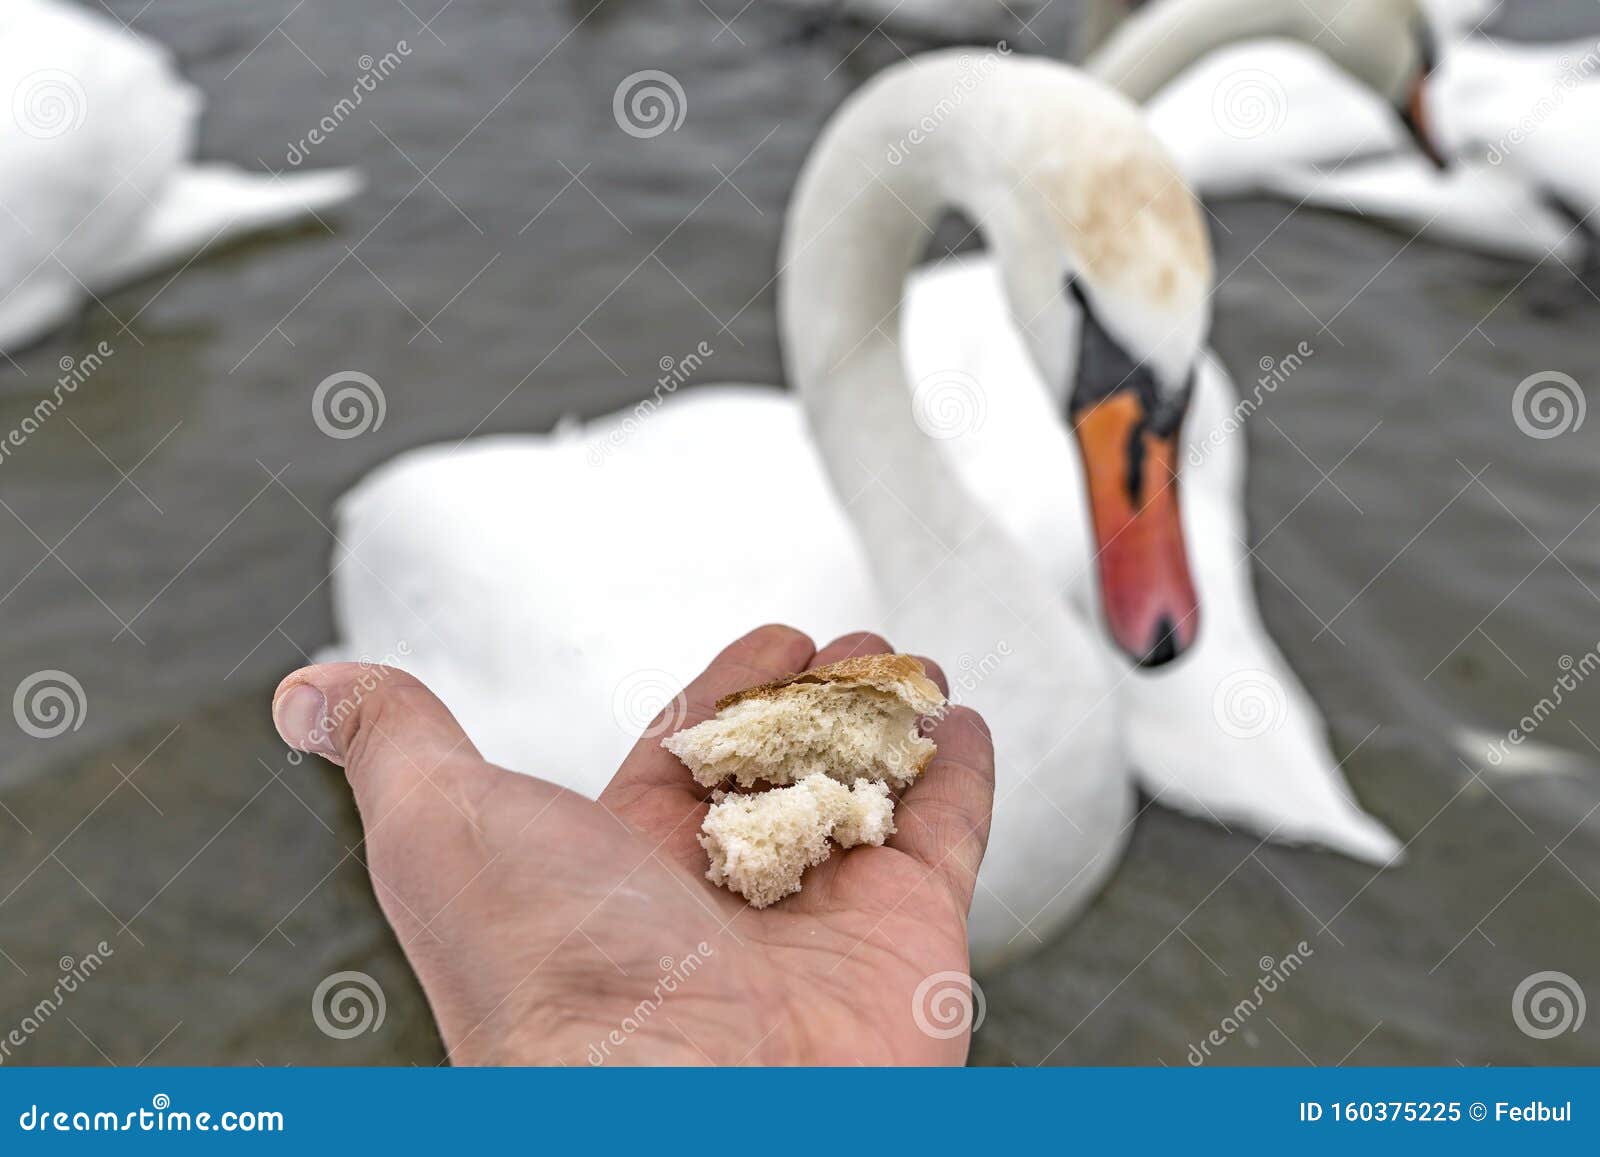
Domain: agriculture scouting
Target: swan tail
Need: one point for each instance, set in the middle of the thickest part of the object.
(205, 205)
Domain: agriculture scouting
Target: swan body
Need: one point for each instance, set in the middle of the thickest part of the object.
(95, 168)
(557, 590)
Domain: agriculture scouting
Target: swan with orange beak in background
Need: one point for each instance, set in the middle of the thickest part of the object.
(556, 590)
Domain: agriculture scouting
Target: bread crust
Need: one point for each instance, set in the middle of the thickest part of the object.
(902, 676)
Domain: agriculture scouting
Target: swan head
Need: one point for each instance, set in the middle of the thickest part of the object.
(1126, 415)
(1132, 273)
(1390, 46)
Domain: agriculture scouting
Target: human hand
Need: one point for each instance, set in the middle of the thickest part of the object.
(549, 928)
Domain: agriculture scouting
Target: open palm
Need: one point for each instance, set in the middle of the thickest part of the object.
(549, 928)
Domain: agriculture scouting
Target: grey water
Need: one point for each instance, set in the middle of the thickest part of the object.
(1428, 569)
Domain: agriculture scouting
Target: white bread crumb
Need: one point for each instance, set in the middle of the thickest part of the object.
(761, 844)
(848, 720)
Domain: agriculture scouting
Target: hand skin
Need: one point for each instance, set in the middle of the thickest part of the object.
(541, 923)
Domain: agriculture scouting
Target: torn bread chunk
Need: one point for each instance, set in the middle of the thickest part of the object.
(853, 719)
(761, 844)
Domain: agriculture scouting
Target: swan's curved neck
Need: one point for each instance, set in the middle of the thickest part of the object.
(863, 212)
(1161, 40)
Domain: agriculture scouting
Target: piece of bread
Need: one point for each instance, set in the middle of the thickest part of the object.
(853, 719)
(761, 844)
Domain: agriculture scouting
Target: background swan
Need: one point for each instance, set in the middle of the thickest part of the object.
(95, 170)
(556, 590)
(1513, 122)
(1518, 123)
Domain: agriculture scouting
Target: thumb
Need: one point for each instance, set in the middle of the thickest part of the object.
(389, 732)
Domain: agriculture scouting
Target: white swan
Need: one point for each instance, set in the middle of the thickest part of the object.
(1512, 125)
(96, 179)
(1241, 89)
(555, 590)
(1518, 123)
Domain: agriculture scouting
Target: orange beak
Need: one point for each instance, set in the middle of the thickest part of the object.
(1415, 117)
(1150, 604)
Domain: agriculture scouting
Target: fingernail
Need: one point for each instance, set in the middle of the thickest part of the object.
(301, 716)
